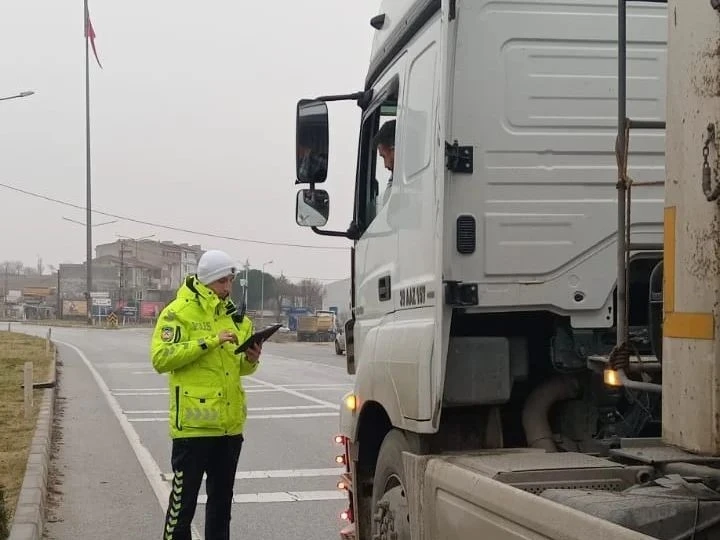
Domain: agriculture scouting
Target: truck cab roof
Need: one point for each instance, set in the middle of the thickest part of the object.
(393, 20)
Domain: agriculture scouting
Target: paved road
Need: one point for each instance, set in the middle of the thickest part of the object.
(113, 459)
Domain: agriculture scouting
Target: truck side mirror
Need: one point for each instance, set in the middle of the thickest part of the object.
(312, 142)
(312, 207)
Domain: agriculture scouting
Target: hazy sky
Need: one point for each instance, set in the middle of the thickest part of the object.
(193, 123)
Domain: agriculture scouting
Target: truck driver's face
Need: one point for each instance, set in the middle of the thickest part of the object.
(388, 155)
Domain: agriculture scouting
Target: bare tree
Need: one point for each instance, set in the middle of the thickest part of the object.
(283, 290)
(312, 292)
(13, 268)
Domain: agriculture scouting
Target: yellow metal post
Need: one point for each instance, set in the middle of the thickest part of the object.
(691, 364)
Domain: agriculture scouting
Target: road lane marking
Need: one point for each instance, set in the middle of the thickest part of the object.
(249, 417)
(260, 409)
(278, 473)
(163, 388)
(254, 389)
(305, 386)
(147, 462)
(294, 393)
(291, 415)
(308, 386)
(246, 386)
(165, 392)
(289, 407)
(282, 497)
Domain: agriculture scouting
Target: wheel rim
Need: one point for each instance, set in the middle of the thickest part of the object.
(391, 518)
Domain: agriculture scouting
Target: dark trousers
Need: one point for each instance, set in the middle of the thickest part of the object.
(217, 457)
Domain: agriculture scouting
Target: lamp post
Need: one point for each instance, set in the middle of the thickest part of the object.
(247, 282)
(262, 290)
(24, 94)
(94, 224)
(88, 279)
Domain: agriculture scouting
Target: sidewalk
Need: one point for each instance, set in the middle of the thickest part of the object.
(97, 487)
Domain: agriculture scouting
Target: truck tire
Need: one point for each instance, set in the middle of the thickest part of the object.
(390, 512)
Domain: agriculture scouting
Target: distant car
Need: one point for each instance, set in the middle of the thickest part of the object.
(281, 330)
(340, 341)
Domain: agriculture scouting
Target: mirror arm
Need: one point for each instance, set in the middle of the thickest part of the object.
(330, 233)
(362, 98)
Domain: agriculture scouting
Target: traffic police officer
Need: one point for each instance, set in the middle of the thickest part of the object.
(194, 342)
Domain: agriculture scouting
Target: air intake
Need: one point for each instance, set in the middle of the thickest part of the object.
(466, 235)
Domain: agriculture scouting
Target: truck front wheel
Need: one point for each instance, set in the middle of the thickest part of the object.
(390, 511)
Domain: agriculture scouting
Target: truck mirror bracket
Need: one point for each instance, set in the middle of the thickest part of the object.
(342, 234)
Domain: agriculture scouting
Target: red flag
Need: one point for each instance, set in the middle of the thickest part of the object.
(90, 33)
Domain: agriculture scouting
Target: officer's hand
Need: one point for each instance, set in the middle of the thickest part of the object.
(227, 336)
(253, 353)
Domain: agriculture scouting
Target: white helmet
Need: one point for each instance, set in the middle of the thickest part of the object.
(214, 265)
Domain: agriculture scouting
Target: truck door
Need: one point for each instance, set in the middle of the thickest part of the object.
(416, 209)
(376, 260)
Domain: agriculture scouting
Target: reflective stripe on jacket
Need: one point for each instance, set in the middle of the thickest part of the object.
(206, 393)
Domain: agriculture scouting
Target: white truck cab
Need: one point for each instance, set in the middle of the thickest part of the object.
(484, 274)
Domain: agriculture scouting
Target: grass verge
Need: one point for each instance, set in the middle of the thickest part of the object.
(15, 431)
(76, 323)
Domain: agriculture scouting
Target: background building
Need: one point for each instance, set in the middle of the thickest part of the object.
(337, 294)
(148, 264)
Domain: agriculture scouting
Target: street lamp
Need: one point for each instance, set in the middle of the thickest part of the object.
(88, 262)
(262, 290)
(247, 281)
(93, 225)
(26, 93)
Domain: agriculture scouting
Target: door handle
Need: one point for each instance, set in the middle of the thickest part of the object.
(384, 290)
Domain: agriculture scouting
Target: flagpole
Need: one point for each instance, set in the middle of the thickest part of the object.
(88, 175)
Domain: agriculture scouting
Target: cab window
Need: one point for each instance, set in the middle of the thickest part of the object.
(377, 140)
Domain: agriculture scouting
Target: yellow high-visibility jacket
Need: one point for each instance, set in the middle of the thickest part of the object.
(206, 394)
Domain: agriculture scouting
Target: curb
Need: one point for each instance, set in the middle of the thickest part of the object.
(29, 519)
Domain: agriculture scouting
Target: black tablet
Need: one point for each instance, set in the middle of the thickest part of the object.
(258, 337)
